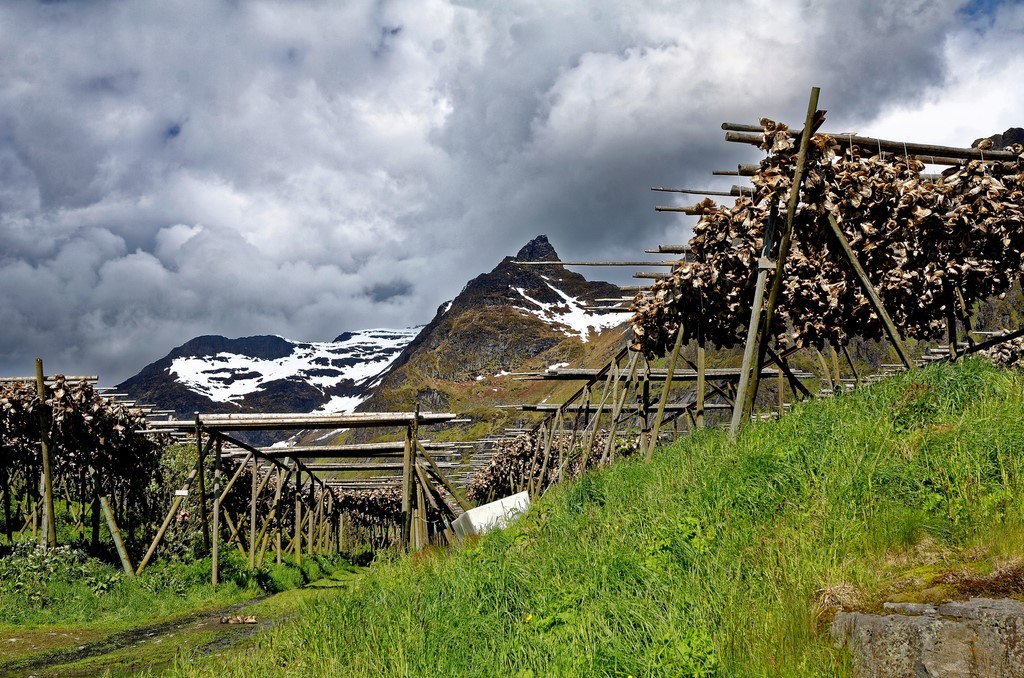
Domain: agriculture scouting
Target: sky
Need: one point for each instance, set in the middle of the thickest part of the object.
(185, 167)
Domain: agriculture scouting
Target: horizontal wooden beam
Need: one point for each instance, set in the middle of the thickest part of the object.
(734, 191)
(597, 263)
(49, 379)
(366, 448)
(609, 407)
(586, 374)
(928, 153)
(670, 249)
(290, 421)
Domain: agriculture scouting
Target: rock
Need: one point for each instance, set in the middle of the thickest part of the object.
(981, 637)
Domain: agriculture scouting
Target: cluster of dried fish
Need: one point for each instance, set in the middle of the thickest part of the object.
(1008, 354)
(924, 244)
(85, 431)
(371, 508)
(519, 463)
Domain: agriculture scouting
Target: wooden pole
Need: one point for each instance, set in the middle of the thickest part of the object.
(204, 519)
(280, 513)
(783, 365)
(605, 393)
(616, 413)
(310, 542)
(835, 365)
(853, 368)
(780, 385)
(215, 554)
(407, 489)
(656, 428)
(870, 293)
(298, 513)
(115, 533)
(5, 479)
(49, 537)
(440, 476)
(825, 373)
(550, 429)
(950, 321)
(234, 477)
(753, 326)
(252, 514)
(757, 336)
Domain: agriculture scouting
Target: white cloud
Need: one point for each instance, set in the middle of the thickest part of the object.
(304, 168)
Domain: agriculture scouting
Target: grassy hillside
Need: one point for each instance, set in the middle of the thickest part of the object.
(715, 559)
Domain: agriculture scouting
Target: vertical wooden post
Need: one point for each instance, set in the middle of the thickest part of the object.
(6, 480)
(951, 333)
(313, 511)
(342, 545)
(298, 513)
(835, 365)
(204, 520)
(215, 555)
(252, 514)
(780, 384)
(49, 536)
(825, 372)
(407, 461)
(421, 505)
(701, 367)
(279, 513)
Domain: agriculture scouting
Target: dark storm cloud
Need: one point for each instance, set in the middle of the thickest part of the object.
(183, 168)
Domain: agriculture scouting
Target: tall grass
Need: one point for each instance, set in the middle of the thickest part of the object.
(715, 559)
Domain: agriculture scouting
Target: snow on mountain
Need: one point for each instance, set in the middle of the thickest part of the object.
(353, 360)
(570, 313)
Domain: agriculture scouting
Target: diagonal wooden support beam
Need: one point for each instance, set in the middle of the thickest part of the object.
(441, 476)
(652, 441)
(870, 293)
(784, 366)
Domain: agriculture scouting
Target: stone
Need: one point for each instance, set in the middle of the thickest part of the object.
(980, 638)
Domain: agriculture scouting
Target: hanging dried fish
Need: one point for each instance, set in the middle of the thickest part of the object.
(917, 240)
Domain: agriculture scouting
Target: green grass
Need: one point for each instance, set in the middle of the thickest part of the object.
(53, 602)
(718, 558)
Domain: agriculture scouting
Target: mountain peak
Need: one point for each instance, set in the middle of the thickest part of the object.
(538, 249)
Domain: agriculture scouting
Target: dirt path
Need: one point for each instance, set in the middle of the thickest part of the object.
(157, 646)
(144, 642)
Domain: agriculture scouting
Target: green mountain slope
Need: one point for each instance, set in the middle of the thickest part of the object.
(718, 558)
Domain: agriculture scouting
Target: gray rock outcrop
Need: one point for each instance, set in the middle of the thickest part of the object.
(979, 638)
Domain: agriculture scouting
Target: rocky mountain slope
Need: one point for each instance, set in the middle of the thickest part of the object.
(501, 321)
(510, 318)
(268, 373)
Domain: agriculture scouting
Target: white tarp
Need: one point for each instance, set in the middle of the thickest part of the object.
(495, 515)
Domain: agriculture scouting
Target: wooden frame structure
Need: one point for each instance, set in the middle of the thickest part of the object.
(318, 517)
